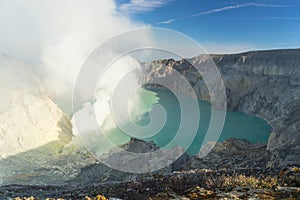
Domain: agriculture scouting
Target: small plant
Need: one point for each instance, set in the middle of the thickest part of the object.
(250, 181)
(98, 197)
(232, 181)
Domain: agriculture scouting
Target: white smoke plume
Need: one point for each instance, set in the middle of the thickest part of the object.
(56, 36)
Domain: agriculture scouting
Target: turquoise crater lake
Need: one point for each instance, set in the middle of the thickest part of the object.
(237, 124)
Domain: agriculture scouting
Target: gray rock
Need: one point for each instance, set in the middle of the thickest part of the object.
(261, 83)
(231, 154)
(101, 173)
(290, 176)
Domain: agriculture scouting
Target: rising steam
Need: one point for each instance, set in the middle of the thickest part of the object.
(57, 36)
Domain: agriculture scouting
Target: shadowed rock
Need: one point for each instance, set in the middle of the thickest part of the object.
(261, 83)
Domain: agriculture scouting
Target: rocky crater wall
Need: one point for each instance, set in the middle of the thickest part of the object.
(261, 83)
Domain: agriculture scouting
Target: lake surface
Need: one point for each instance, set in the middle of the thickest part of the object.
(237, 124)
(28, 167)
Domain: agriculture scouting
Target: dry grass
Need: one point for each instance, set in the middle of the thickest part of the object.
(234, 181)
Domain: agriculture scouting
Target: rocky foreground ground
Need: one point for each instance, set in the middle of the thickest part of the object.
(234, 169)
(193, 184)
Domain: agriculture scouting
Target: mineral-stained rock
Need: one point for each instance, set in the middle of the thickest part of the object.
(200, 193)
(168, 195)
(28, 116)
(33, 129)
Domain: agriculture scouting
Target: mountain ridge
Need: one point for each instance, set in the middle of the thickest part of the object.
(262, 83)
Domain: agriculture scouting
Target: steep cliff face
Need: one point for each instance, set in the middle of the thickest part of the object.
(28, 117)
(36, 141)
(262, 83)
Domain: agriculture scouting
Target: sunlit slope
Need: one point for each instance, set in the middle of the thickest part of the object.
(28, 117)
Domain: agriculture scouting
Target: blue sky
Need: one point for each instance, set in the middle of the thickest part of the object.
(224, 26)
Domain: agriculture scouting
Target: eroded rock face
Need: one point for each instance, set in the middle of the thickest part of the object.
(261, 83)
(232, 154)
(36, 145)
(28, 117)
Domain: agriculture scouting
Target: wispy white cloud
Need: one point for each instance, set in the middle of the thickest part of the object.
(271, 18)
(225, 8)
(137, 6)
(284, 18)
(169, 21)
(231, 7)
